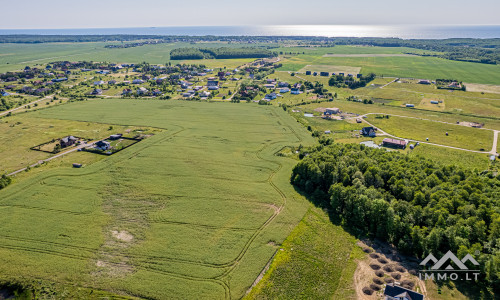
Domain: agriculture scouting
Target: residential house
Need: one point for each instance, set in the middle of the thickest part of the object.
(137, 81)
(283, 84)
(4, 93)
(368, 131)
(396, 292)
(393, 143)
(103, 145)
(96, 92)
(115, 136)
(100, 82)
(284, 90)
(410, 105)
(270, 96)
(332, 110)
(204, 94)
(308, 72)
(324, 74)
(112, 82)
(126, 92)
(212, 83)
(269, 86)
(142, 91)
(157, 92)
(68, 141)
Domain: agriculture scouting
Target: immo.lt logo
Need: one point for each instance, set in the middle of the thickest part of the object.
(449, 267)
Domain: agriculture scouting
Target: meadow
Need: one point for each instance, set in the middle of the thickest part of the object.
(458, 136)
(197, 209)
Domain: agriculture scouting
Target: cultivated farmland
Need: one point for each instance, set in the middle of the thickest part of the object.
(195, 210)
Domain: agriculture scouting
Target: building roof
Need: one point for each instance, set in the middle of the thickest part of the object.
(394, 141)
(400, 292)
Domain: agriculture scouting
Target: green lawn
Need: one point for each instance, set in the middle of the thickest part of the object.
(194, 211)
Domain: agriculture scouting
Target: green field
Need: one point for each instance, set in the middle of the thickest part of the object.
(317, 261)
(17, 56)
(458, 136)
(196, 210)
(408, 67)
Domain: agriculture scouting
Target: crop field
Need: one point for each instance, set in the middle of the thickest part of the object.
(408, 67)
(17, 56)
(194, 211)
(331, 69)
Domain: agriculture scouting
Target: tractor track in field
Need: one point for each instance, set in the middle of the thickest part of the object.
(92, 253)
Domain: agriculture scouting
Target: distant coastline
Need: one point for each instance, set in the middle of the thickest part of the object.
(404, 32)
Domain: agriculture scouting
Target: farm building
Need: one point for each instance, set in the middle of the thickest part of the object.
(434, 102)
(68, 141)
(395, 292)
(368, 131)
(325, 74)
(388, 142)
(410, 105)
(332, 110)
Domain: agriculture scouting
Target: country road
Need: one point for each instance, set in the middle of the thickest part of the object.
(25, 105)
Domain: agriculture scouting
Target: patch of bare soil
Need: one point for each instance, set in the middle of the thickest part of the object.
(384, 265)
(122, 235)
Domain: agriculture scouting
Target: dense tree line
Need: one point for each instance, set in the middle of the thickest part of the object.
(220, 53)
(417, 205)
(349, 81)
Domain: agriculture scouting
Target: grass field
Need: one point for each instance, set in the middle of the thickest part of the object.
(317, 261)
(194, 211)
(410, 67)
(459, 136)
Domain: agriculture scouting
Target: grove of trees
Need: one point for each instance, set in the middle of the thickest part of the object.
(417, 205)
(220, 53)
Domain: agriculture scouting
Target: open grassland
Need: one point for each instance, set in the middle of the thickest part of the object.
(317, 261)
(448, 156)
(409, 67)
(195, 211)
(23, 131)
(459, 136)
(344, 49)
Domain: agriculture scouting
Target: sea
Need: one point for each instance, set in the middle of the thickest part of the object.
(401, 31)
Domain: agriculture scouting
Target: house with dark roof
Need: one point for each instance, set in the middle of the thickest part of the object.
(103, 145)
(68, 141)
(270, 96)
(368, 131)
(96, 92)
(395, 292)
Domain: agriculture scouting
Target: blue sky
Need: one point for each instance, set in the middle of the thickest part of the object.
(22, 14)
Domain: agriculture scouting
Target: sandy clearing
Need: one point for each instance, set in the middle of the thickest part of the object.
(485, 88)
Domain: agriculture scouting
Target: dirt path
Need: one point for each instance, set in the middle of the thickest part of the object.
(25, 105)
(389, 83)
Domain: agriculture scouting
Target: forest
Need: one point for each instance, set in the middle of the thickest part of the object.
(416, 204)
(220, 53)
